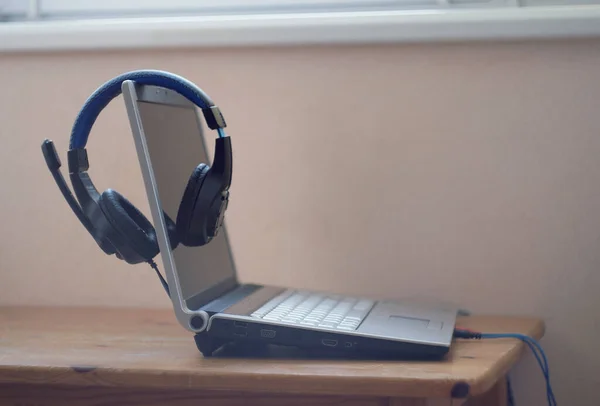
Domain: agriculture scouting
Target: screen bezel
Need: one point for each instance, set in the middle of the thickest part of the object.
(162, 96)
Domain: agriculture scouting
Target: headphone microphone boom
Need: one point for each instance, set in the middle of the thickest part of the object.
(116, 225)
(54, 164)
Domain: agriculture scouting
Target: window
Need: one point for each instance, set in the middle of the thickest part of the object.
(18, 10)
(47, 25)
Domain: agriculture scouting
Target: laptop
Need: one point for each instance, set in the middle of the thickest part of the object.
(210, 301)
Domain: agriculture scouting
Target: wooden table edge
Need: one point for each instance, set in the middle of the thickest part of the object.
(241, 381)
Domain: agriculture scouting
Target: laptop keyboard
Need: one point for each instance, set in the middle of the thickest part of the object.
(316, 310)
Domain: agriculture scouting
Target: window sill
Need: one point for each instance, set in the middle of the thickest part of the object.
(298, 29)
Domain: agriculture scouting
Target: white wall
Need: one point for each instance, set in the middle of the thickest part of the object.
(468, 173)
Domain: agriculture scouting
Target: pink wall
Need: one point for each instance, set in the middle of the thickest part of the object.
(469, 173)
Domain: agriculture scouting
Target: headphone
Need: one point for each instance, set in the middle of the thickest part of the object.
(116, 225)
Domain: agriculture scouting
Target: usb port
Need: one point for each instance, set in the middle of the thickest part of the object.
(329, 343)
(242, 324)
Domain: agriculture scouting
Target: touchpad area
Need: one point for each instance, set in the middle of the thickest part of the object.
(397, 320)
(403, 321)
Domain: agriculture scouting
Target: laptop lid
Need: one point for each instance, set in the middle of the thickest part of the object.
(170, 144)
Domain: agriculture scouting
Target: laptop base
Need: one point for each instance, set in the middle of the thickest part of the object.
(306, 341)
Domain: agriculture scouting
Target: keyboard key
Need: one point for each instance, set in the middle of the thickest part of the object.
(357, 314)
(363, 305)
(278, 311)
(329, 303)
(331, 321)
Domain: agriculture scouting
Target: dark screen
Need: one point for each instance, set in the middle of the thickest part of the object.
(175, 146)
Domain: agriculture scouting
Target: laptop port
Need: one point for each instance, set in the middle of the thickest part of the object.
(329, 343)
(266, 333)
(242, 324)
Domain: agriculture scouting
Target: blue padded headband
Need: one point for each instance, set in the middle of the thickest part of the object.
(111, 89)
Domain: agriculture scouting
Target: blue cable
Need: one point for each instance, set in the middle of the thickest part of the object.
(509, 393)
(550, 393)
(540, 357)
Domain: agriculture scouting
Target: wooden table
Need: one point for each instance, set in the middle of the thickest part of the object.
(74, 356)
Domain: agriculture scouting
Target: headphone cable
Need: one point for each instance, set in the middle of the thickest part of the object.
(533, 345)
(163, 282)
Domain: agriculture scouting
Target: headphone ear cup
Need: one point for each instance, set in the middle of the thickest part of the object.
(133, 227)
(171, 230)
(185, 214)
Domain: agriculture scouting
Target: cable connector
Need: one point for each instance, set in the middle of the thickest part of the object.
(163, 282)
(467, 334)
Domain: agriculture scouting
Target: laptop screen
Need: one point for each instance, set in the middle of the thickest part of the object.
(175, 146)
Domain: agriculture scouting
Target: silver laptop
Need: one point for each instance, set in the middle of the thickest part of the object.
(207, 297)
